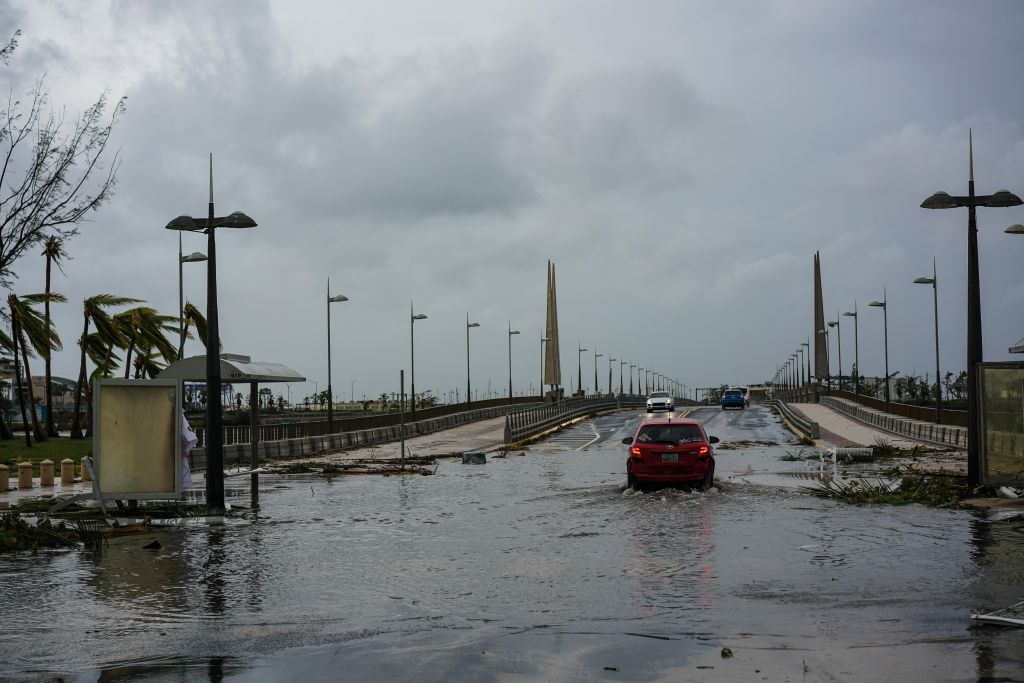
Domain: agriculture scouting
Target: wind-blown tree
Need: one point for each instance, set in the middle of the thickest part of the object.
(54, 170)
(32, 335)
(96, 345)
(6, 345)
(53, 251)
(192, 316)
(144, 328)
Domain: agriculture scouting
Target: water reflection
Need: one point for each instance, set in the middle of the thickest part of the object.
(997, 547)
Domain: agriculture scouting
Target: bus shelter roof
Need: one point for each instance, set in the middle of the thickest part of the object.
(233, 369)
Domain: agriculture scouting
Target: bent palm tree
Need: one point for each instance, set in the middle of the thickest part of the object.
(144, 329)
(6, 345)
(53, 250)
(32, 335)
(96, 346)
(193, 316)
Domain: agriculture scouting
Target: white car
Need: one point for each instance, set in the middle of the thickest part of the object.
(660, 400)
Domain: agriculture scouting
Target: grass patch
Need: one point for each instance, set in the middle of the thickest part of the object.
(933, 491)
(14, 451)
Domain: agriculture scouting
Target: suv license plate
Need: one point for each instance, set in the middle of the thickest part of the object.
(670, 457)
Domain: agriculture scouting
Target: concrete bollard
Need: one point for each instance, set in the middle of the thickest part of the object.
(67, 472)
(84, 470)
(46, 473)
(24, 475)
(5, 478)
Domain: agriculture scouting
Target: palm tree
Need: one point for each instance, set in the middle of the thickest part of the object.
(192, 316)
(53, 250)
(96, 345)
(29, 328)
(144, 329)
(6, 345)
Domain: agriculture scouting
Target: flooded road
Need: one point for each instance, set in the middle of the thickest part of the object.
(534, 568)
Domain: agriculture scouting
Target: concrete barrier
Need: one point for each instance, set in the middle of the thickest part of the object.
(803, 427)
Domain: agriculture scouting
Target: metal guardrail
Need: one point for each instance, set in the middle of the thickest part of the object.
(523, 424)
(805, 427)
(300, 429)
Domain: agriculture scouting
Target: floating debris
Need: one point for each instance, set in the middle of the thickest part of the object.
(1009, 616)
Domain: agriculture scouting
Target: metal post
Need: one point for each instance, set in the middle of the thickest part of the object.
(938, 377)
(214, 431)
(254, 443)
(412, 369)
(330, 393)
(401, 406)
(181, 302)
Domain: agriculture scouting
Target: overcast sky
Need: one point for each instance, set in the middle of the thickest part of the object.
(679, 161)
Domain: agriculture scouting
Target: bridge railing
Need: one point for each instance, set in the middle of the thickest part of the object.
(521, 425)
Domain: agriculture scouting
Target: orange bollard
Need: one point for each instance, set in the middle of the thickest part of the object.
(46, 473)
(5, 478)
(24, 475)
(67, 472)
(84, 470)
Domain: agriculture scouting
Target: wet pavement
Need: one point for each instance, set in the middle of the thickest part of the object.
(535, 568)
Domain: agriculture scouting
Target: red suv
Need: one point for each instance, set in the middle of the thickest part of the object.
(670, 451)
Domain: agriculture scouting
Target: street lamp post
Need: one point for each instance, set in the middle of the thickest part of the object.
(214, 430)
(510, 333)
(623, 363)
(543, 340)
(807, 346)
(800, 365)
(330, 394)
(631, 366)
(883, 304)
(194, 257)
(934, 282)
(597, 389)
(413, 317)
(469, 325)
(942, 200)
(839, 346)
(579, 368)
(856, 349)
(610, 361)
(828, 359)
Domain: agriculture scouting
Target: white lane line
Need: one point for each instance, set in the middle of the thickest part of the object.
(596, 437)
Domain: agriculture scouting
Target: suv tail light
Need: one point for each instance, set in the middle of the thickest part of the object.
(635, 451)
(703, 451)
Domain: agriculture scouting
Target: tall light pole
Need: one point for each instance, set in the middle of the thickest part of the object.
(214, 422)
(194, 257)
(510, 333)
(800, 365)
(623, 363)
(883, 304)
(468, 326)
(839, 346)
(807, 346)
(330, 394)
(579, 368)
(543, 340)
(631, 366)
(597, 389)
(828, 360)
(856, 349)
(610, 361)
(413, 317)
(934, 282)
(942, 200)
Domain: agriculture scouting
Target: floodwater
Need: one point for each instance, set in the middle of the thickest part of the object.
(534, 568)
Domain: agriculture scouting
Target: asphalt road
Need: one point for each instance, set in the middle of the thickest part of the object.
(540, 567)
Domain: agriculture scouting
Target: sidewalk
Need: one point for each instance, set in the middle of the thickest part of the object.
(840, 431)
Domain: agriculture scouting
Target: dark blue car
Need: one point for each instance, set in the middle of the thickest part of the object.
(733, 398)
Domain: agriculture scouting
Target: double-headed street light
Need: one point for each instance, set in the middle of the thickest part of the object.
(631, 366)
(597, 389)
(883, 304)
(510, 333)
(610, 361)
(469, 325)
(330, 393)
(623, 363)
(194, 257)
(214, 430)
(942, 200)
(856, 349)
(413, 317)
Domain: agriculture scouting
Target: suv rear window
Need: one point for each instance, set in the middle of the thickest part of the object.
(670, 434)
(733, 392)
